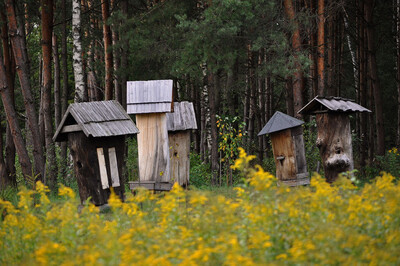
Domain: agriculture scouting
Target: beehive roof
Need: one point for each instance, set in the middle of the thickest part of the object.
(152, 96)
(97, 119)
(183, 117)
(332, 104)
(280, 121)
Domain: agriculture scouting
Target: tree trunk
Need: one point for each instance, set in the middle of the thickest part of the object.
(47, 7)
(321, 47)
(4, 181)
(212, 92)
(9, 64)
(117, 60)
(298, 82)
(77, 52)
(26, 165)
(398, 69)
(22, 61)
(57, 83)
(64, 71)
(380, 135)
(108, 56)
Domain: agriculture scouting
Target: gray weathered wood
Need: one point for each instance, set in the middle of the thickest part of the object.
(103, 168)
(183, 117)
(151, 185)
(153, 149)
(113, 167)
(153, 96)
(97, 119)
(71, 128)
(179, 143)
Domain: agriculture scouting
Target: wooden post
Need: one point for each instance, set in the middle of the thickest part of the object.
(334, 143)
(154, 163)
(179, 142)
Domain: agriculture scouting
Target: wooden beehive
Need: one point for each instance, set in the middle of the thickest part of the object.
(288, 147)
(179, 124)
(150, 101)
(334, 133)
(96, 132)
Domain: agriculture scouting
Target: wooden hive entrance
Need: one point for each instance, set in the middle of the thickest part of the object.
(150, 101)
(334, 133)
(288, 147)
(180, 123)
(96, 136)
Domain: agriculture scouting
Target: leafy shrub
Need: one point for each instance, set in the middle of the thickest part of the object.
(262, 224)
(200, 172)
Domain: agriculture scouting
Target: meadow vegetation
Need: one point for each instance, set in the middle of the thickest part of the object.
(260, 224)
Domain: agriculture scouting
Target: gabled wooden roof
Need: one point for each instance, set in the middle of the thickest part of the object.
(96, 119)
(280, 121)
(183, 117)
(153, 96)
(332, 104)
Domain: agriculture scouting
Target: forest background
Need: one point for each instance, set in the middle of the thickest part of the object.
(238, 61)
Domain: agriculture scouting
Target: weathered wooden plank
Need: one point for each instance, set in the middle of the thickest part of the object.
(113, 167)
(182, 118)
(153, 149)
(71, 128)
(103, 168)
(179, 143)
(282, 144)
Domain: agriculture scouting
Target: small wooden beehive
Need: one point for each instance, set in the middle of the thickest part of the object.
(334, 134)
(179, 124)
(150, 101)
(96, 135)
(288, 147)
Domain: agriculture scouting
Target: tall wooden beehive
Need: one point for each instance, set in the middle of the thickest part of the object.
(179, 124)
(150, 101)
(288, 147)
(96, 135)
(334, 133)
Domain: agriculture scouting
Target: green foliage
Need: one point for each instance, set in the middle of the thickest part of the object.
(200, 172)
(131, 161)
(313, 157)
(390, 162)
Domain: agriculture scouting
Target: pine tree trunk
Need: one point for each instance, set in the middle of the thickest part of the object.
(26, 165)
(64, 71)
(321, 47)
(298, 82)
(9, 64)
(373, 72)
(213, 101)
(23, 69)
(57, 83)
(108, 56)
(397, 10)
(124, 55)
(47, 34)
(3, 168)
(77, 52)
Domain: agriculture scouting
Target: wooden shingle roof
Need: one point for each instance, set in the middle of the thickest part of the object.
(332, 104)
(152, 96)
(183, 117)
(280, 121)
(96, 119)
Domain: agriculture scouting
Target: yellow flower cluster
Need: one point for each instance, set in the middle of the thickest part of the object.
(257, 224)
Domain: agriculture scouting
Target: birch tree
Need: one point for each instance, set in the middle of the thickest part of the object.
(80, 87)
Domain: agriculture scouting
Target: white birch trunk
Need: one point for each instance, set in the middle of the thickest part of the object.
(77, 52)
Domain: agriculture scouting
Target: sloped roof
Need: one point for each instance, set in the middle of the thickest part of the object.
(152, 96)
(183, 117)
(97, 119)
(280, 121)
(332, 104)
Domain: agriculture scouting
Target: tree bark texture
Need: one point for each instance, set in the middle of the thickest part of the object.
(373, 74)
(23, 69)
(334, 143)
(107, 36)
(47, 7)
(87, 168)
(298, 82)
(77, 52)
(321, 47)
(9, 65)
(26, 165)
